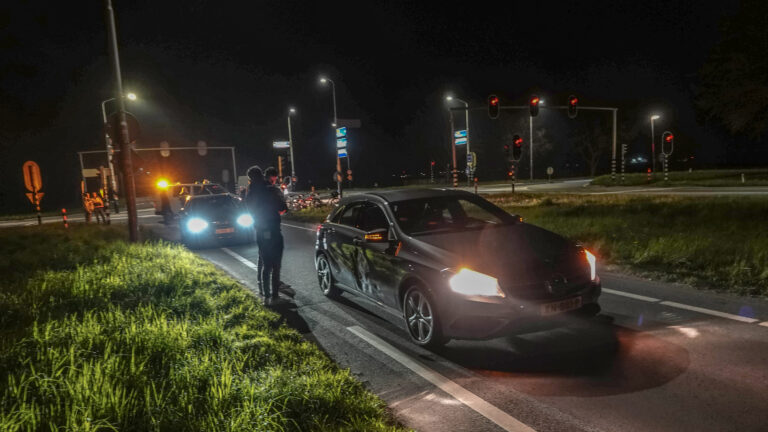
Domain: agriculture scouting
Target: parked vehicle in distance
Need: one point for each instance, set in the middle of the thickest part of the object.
(453, 265)
(212, 219)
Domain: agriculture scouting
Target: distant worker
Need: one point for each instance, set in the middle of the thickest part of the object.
(98, 208)
(87, 207)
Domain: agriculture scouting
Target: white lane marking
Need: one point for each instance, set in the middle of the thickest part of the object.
(764, 324)
(296, 226)
(630, 295)
(502, 419)
(240, 258)
(709, 312)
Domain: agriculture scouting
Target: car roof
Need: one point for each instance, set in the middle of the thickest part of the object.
(408, 194)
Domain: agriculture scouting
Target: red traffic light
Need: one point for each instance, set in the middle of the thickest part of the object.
(493, 106)
(573, 101)
(533, 105)
(573, 106)
(669, 138)
(432, 163)
(518, 142)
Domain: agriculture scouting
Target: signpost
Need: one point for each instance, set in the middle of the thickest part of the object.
(550, 171)
(33, 183)
(341, 152)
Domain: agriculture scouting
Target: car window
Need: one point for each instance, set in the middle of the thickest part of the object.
(349, 215)
(446, 214)
(373, 218)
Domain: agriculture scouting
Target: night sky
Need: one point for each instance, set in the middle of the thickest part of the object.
(226, 73)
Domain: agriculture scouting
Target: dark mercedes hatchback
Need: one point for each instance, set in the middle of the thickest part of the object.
(453, 265)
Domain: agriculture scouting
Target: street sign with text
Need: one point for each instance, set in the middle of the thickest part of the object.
(460, 134)
(341, 132)
(281, 144)
(461, 141)
(341, 142)
(342, 153)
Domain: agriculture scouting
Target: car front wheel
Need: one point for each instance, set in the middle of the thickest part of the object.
(421, 320)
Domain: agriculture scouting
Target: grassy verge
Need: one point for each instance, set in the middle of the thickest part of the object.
(712, 178)
(309, 215)
(719, 243)
(98, 334)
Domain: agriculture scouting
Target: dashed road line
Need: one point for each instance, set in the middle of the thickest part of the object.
(710, 312)
(471, 400)
(632, 296)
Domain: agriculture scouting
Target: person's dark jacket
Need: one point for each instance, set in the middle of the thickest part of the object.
(265, 202)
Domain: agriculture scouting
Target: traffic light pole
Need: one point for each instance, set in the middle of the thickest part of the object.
(129, 188)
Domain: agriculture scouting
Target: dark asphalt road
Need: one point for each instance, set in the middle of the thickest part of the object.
(649, 363)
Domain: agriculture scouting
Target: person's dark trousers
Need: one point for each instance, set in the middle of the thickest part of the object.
(270, 244)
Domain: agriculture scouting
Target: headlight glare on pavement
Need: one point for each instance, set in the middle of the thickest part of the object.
(245, 220)
(472, 283)
(196, 225)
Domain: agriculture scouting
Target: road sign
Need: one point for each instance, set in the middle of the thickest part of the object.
(113, 127)
(460, 134)
(32, 179)
(341, 132)
(550, 170)
(342, 152)
(472, 160)
(281, 144)
(461, 141)
(31, 197)
(350, 123)
(341, 142)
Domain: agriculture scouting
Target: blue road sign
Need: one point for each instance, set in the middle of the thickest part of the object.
(342, 153)
(460, 133)
(341, 132)
(341, 142)
(461, 141)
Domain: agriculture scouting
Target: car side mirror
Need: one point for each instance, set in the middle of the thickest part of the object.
(380, 235)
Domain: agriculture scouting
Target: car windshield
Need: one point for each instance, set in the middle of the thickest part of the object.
(219, 205)
(447, 214)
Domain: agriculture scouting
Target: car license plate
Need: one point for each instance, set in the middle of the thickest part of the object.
(561, 306)
(225, 230)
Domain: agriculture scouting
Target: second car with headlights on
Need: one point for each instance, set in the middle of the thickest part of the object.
(453, 265)
(209, 219)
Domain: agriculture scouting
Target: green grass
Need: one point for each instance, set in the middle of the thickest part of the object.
(309, 215)
(712, 178)
(719, 243)
(98, 334)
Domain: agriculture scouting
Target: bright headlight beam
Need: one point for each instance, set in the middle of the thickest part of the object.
(196, 225)
(245, 220)
(592, 264)
(472, 283)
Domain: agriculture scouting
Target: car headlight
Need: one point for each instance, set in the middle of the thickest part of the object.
(196, 225)
(245, 220)
(472, 283)
(592, 264)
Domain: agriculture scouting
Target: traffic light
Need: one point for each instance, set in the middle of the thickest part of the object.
(493, 106)
(667, 143)
(349, 175)
(573, 106)
(533, 105)
(517, 147)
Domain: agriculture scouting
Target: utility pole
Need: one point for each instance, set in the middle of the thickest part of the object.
(290, 145)
(453, 153)
(530, 135)
(129, 188)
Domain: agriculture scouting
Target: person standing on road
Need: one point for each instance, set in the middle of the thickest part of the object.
(98, 208)
(268, 203)
(87, 207)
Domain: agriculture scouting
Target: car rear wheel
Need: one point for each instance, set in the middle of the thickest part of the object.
(325, 277)
(421, 320)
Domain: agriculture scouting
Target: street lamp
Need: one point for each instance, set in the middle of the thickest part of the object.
(449, 98)
(653, 144)
(324, 80)
(291, 111)
(108, 141)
